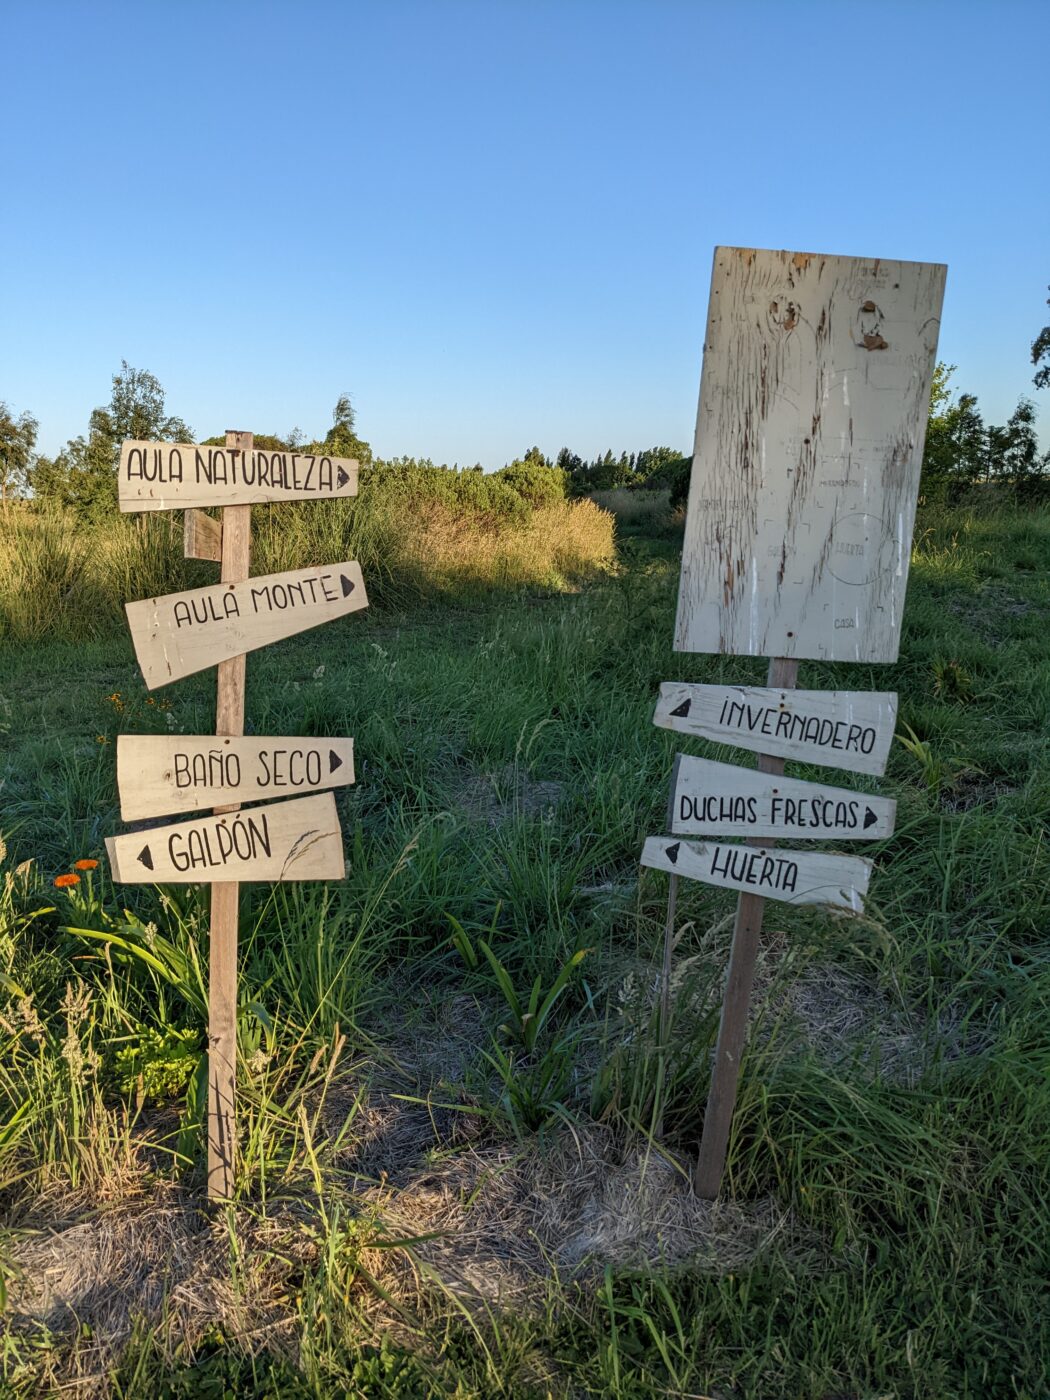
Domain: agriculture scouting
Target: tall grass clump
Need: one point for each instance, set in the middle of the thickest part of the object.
(421, 534)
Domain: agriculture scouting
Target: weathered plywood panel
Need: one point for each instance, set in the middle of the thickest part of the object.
(173, 475)
(721, 799)
(809, 438)
(159, 774)
(795, 877)
(848, 729)
(298, 840)
(186, 632)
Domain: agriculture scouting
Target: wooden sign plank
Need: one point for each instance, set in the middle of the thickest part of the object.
(173, 475)
(795, 877)
(297, 840)
(851, 729)
(201, 536)
(186, 632)
(159, 774)
(809, 436)
(722, 799)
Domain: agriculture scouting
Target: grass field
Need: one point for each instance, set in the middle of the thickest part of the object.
(440, 1195)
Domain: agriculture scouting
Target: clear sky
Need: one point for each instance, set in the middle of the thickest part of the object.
(492, 223)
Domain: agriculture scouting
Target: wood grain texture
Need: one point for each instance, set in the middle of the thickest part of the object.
(813, 406)
(162, 774)
(848, 729)
(782, 674)
(186, 632)
(173, 475)
(295, 840)
(235, 538)
(795, 877)
(201, 536)
(723, 799)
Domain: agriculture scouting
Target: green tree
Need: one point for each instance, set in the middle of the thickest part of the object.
(1041, 357)
(1014, 457)
(342, 440)
(17, 440)
(955, 456)
(136, 410)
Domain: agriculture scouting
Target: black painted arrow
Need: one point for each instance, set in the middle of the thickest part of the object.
(672, 852)
(341, 477)
(146, 858)
(348, 585)
(869, 818)
(334, 761)
(683, 709)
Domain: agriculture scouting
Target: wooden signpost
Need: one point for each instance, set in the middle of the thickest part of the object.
(796, 877)
(158, 774)
(829, 728)
(173, 475)
(809, 438)
(297, 840)
(186, 632)
(723, 799)
(167, 774)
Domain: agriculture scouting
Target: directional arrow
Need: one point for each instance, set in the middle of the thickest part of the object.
(341, 477)
(334, 761)
(870, 818)
(672, 851)
(146, 858)
(682, 710)
(186, 632)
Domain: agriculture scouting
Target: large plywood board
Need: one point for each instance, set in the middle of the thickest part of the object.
(850, 729)
(173, 475)
(186, 632)
(297, 840)
(722, 799)
(809, 436)
(158, 774)
(795, 877)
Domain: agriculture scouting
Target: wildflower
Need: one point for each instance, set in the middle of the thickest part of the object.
(63, 882)
(101, 738)
(85, 865)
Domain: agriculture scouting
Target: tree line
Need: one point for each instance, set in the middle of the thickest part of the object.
(962, 452)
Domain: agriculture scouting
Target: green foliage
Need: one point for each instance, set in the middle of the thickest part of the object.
(537, 483)
(158, 1061)
(17, 440)
(84, 475)
(1041, 357)
(962, 454)
(886, 1203)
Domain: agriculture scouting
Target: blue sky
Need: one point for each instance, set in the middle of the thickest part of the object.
(493, 223)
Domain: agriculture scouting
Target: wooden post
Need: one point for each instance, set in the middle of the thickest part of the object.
(222, 976)
(732, 1030)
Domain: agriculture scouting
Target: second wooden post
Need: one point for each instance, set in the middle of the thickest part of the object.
(732, 1030)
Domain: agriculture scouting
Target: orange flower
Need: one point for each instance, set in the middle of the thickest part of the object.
(85, 865)
(63, 882)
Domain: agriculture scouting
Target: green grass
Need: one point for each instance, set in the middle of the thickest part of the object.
(885, 1226)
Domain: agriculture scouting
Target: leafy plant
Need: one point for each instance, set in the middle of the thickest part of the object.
(952, 682)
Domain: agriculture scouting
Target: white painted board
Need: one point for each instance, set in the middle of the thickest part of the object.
(795, 877)
(173, 475)
(297, 840)
(186, 632)
(723, 799)
(159, 774)
(809, 436)
(850, 729)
